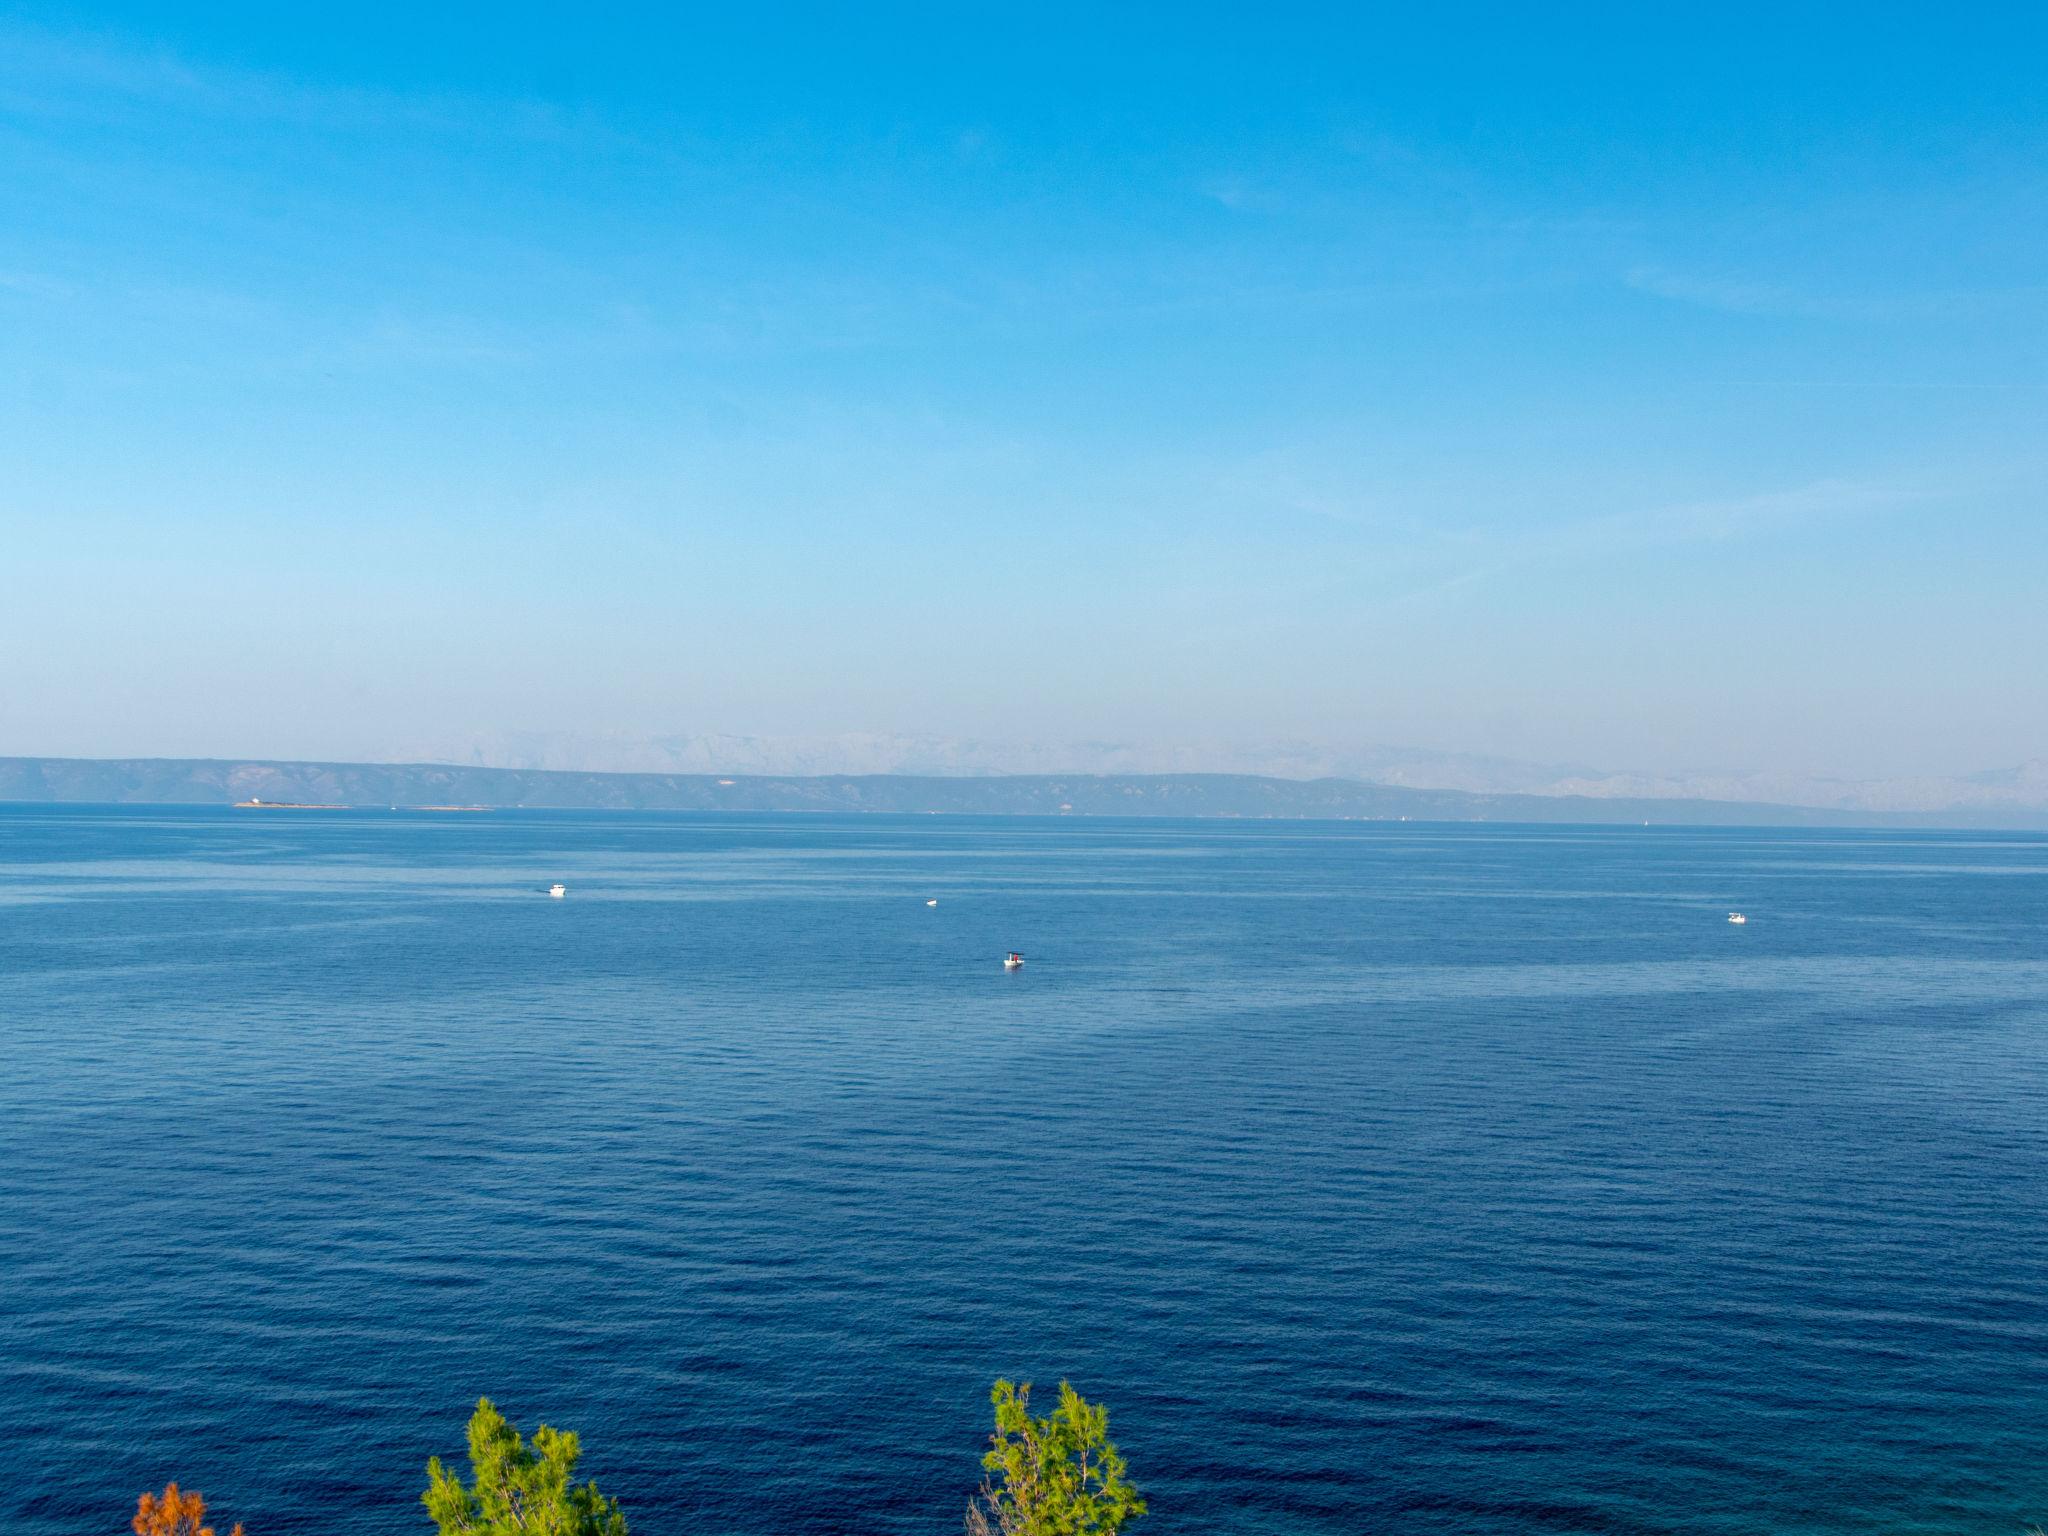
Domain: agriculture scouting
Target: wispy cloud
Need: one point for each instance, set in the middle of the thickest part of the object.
(35, 285)
(1713, 520)
(74, 76)
(1722, 518)
(1232, 192)
(973, 146)
(1993, 386)
(1750, 296)
(1730, 295)
(1402, 565)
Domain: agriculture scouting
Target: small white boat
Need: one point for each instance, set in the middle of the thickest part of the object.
(1013, 961)
(1737, 917)
(933, 902)
(558, 890)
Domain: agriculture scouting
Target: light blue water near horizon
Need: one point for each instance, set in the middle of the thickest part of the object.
(1379, 1177)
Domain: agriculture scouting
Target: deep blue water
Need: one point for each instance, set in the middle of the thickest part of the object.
(1380, 1178)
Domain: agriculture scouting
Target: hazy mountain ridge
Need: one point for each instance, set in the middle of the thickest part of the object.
(2024, 787)
(170, 781)
(946, 756)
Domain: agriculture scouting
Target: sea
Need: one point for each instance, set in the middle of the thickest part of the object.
(1377, 1177)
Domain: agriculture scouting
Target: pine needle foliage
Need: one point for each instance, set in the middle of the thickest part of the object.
(1056, 1476)
(516, 1489)
(172, 1513)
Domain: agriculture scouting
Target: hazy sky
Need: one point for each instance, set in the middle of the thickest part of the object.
(1642, 386)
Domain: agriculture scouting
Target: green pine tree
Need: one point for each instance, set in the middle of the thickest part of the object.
(1055, 1476)
(518, 1490)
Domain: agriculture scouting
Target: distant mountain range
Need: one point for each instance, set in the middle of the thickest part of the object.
(192, 781)
(2020, 789)
(930, 756)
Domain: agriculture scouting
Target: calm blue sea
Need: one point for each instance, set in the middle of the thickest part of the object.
(1380, 1178)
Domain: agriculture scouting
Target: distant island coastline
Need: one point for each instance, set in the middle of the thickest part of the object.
(285, 785)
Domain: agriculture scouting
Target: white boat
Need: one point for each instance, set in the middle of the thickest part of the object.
(1013, 961)
(1737, 917)
(558, 890)
(933, 902)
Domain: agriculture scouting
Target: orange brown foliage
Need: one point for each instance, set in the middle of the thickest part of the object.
(173, 1514)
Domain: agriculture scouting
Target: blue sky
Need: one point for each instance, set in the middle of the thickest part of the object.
(1646, 386)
